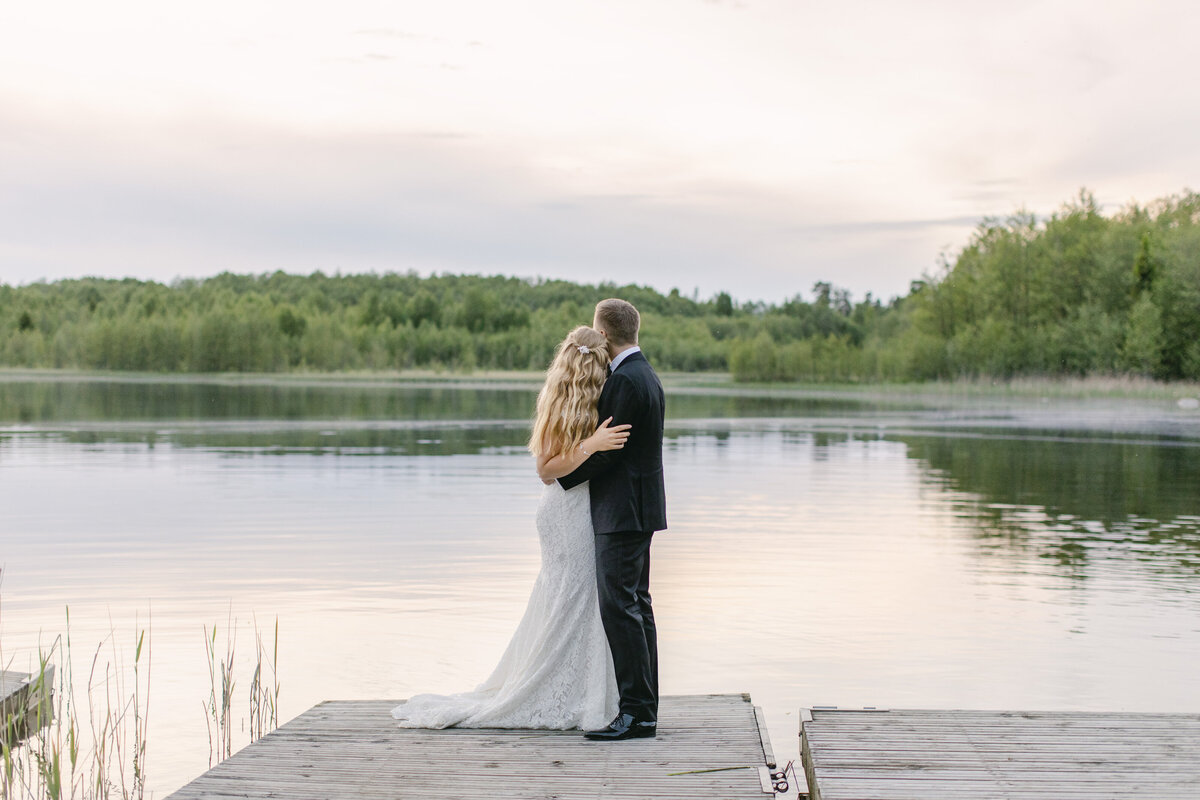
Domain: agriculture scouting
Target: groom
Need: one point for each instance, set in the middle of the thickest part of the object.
(628, 500)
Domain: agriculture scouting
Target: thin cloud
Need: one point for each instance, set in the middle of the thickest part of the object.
(395, 33)
(443, 135)
(366, 58)
(870, 226)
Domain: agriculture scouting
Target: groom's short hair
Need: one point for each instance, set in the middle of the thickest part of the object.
(619, 319)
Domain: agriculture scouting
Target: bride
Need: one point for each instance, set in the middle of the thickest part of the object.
(557, 671)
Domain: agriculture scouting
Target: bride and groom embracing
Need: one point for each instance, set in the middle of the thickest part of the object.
(585, 650)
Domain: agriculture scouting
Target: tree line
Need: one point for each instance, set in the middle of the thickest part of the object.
(1075, 294)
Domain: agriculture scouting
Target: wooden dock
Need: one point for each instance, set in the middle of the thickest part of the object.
(710, 746)
(990, 755)
(24, 702)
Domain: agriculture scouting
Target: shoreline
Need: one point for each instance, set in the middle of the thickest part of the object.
(1036, 388)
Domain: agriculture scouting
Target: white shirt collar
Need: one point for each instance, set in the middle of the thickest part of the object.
(616, 362)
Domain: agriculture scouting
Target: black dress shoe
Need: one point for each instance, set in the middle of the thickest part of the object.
(625, 726)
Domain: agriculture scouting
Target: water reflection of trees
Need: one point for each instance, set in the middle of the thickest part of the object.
(1074, 503)
(435, 440)
(32, 402)
(56, 401)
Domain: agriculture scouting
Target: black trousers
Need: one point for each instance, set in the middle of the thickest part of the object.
(623, 580)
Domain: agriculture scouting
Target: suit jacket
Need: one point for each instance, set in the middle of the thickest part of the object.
(627, 488)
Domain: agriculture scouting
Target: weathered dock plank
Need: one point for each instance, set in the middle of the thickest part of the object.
(709, 746)
(989, 755)
(24, 702)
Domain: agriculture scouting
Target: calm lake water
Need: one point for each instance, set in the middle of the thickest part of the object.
(823, 550)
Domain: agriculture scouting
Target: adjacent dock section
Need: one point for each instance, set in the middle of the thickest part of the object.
(978, 755)
(709, 746)
(24, 703)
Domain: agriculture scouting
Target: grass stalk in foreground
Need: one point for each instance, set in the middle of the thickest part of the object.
(263, 690)
(51, 756)
(264, 695)
(93, 745)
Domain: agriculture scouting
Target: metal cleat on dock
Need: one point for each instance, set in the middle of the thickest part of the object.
(781, 783)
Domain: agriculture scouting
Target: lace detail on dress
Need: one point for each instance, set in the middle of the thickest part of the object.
(557, 670)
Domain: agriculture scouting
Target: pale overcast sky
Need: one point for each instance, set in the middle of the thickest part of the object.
(749, 146)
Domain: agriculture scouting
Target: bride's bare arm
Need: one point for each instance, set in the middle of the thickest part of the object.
(553, 466)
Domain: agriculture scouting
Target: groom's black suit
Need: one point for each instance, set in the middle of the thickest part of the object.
(629, 504)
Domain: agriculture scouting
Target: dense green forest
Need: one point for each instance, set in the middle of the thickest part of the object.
(1078, 293)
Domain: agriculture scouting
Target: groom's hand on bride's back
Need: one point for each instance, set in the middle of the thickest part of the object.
(606, 438)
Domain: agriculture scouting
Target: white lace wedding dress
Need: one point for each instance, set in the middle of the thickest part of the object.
(557, 671)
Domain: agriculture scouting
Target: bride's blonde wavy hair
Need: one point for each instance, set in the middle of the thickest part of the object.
(566, 406)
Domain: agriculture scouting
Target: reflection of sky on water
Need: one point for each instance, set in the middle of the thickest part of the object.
(842, 562)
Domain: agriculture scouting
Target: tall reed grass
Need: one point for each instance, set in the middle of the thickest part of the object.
(263, 695)
(86, 741)
(89, 739)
